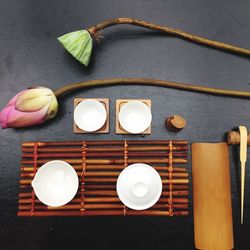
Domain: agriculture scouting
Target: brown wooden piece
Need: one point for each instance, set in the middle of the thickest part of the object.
(98, 165)
(175, 123)
(119, 104)
(233, 137)
(212, 196)
(105, 128)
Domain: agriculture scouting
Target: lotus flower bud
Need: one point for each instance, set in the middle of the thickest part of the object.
(79, 44)
(29, 107)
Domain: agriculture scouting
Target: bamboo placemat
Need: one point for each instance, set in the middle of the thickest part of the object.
(98, 165)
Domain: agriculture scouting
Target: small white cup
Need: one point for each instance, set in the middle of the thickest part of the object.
(135, 117)
(139, 186)
(55, 183)
(90, 115)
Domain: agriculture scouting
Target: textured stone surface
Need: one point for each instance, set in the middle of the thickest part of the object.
(31, 55)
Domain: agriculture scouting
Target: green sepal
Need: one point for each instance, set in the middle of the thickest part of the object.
(79, 44)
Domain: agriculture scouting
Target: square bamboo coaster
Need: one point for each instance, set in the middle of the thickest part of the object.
(119, 104)
(105, 128)
(98, 165)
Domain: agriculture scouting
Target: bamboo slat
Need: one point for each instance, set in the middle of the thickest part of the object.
(103, 161)
(110, 193)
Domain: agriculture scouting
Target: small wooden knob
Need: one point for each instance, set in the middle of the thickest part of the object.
(233, 137)
(175, 123)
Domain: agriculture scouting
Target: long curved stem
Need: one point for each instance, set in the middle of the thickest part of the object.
(142, 81)
(165, 29)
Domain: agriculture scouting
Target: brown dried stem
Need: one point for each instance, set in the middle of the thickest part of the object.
(153, 82)
(95, 32)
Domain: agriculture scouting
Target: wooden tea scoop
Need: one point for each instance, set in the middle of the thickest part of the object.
(243, 159)
(213, 224)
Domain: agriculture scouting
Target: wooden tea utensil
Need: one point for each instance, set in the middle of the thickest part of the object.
(233, 138)
(243, 159)
(175, 123)
(213, 226)
(241, 137)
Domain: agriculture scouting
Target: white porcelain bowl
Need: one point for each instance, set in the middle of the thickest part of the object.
(139, 186)
(135, 117)
(90, 115)
(55, 183)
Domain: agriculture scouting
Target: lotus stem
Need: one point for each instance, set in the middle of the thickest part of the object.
(95, 30)
(153, 82)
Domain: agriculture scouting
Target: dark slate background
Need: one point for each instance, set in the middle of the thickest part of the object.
(30, 55)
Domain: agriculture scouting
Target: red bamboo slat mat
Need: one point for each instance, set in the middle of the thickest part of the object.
(98, 165)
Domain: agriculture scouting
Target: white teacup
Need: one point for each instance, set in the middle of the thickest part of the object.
(90, 115)
(135, 117)
(139, 186)
(55, 183)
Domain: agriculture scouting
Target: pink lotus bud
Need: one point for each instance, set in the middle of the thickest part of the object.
(29, 107)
